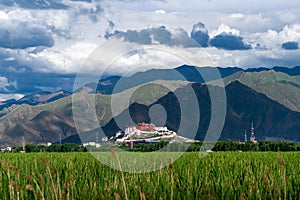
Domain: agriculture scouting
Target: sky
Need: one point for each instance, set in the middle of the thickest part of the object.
(44, 43)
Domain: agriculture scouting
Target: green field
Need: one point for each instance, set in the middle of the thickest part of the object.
(227, 175)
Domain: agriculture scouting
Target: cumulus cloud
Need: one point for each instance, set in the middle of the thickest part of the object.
(142, 59)
(109, 29)
(68, 60)
(278, 57)
(273, 39)
(229, 42)
(157, 35)
(223, 28)
(141, 37)
(291, 32)
(125, 58)
(200, 34)
(291, 45)
(35, 4)
(160, 12)
(55, 36)
(48, 40)
(244, 22)
(24, 35)
(6, 86)
(4, 97)
(228, 39)
(254, 58)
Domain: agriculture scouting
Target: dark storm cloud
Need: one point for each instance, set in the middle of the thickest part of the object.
(291, 45)
(35, 4)
(159, 35)
(26, 82)
(200, 34)
(24, 35)
(179, 37)
(140, 37)
(229, 42)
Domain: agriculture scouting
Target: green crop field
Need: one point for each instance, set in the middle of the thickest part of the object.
(227, 175)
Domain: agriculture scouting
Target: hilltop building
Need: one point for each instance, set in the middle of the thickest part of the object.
(144, 133)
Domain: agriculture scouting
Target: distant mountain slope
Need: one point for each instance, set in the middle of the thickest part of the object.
(295, 71)
(44, 97)
(272, 120)
(34, 99)
(116, 84)
(26, 120)
(108, 85)
(46, 126)
(244, 106)
(278, 86)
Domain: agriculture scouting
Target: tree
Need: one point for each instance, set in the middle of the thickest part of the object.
(31, 148)
(17, 149)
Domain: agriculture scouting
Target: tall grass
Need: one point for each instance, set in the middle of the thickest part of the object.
(227, 175)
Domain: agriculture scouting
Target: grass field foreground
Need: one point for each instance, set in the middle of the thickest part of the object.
(228, 175)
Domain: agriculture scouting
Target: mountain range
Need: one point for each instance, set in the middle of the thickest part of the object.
(271, 120)
(183, 73)
(267, 97)
(34, 99)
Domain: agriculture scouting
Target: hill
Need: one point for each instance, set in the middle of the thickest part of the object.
(28, 121)
(278, 86)
(271, 120)
(186, 73)
(33, 99)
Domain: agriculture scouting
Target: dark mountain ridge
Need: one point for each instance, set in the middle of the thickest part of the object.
(184, 73)
(244, 107)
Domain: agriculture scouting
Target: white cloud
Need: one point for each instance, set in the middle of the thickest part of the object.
(4, 97)
(279, 58)
(288, 16)
(160, 12)
(80, 28)
(68, 60)
(3, 15)
(248, 22)
(223, 28)
(145, 59)
(290, 32)
(273, 39)
(24, 35)
(229, 6)
(5, 85)
(157, 35)
(254, 58)
(74, 32)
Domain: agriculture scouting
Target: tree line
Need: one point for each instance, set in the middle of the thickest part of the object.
(68, 147)
(166, 146)
(218, 146)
